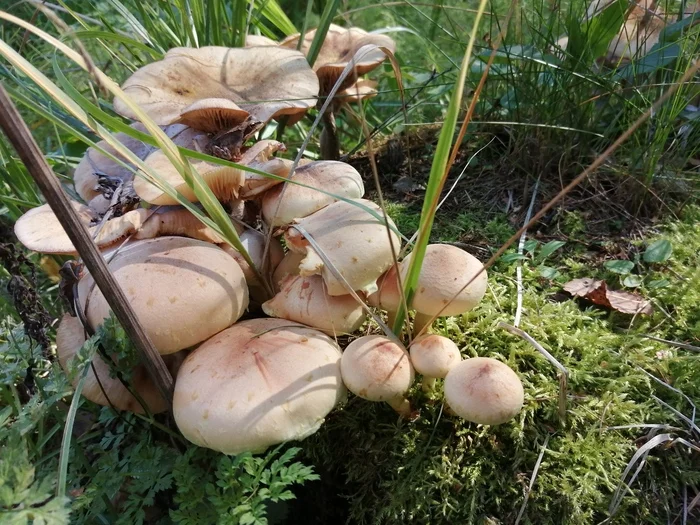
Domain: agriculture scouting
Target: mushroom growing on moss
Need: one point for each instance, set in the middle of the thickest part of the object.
(256, 384)
(451, 282)
(378, 369)
(355, 242)
(182, 290)
(433, 356)
(100, 386)
(341, 47)
(484, 391)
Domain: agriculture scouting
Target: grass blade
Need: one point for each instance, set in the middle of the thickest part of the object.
(323, 25)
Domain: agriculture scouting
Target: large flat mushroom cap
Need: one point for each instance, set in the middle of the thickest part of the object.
(265, 81)
(281, 206)
(100, 387)
(256, 384)
(355, 241)
(182, 290)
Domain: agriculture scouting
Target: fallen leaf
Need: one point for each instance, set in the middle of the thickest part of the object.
(598, 293)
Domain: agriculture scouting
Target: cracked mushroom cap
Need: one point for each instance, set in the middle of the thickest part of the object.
(338, 50)
(376, 368)
(40, 231)
(354, 241)
(224, 181)
(264, 81)
(446, 269)
(94, 165)
(281, 206)
(434, 355)
(304, 299)
(182, 290)
(484, 391)
(100, 387)
(256, 384)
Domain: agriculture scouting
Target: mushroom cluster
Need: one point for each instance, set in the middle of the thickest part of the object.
(255, 349)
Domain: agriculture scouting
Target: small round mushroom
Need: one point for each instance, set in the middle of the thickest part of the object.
(484, 391)
(433, 356)
(100, 387)
(376, 368)
(445, 271)
(281, 206)
(256, 384)
(182, 290)
(354, 241)
(39, 229)
(304, 299)
(265, 81)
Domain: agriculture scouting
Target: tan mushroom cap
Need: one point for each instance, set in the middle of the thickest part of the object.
(339, 48)
(434, 355)
(176, 220)
(265, 81)
(259, 40)
(361, 90)
(377, 369)
(254, 243)
(446, 269)
(182, 290)
(289, 265)
(256, 384)
(484, 391)
(224, 181)
(100, 387)
(304, 299)
(281, 206)
(213, 114)
(352, 239)
(39, 229)
(94, 163)
(260, 157)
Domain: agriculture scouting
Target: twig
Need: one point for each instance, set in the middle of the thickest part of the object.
(521, 246)
(684, 346)
(532, 480)
(563, 372)
(21, 139)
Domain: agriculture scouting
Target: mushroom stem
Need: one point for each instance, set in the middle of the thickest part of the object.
(428, 384)
(420, 322)
(401, 405)
(330, 148)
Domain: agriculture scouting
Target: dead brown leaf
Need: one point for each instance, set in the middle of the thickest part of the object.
(597, 292)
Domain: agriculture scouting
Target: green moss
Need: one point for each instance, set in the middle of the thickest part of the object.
(440, 469)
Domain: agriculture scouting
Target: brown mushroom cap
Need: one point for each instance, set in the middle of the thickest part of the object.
(213, 114)
(361, 90)
(265, 81)
(434, 355)
(182, 290)
(281, 206)
(352, 239)
(94, 164)
(484, 391)
(338, 50)
(100, 387)
(39, 229)
(304, 299)
(256, 384)
(377, 369)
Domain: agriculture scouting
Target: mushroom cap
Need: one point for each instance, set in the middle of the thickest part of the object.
(256, 384)
(39, 229)
(213, 114)
(70, 337)
(94, 164)
(376, 368)
(484, 391)
(352, 239)
(363, 89)
(260, 157)
(182, 290)
(176, 220)
(265, 81)
(224, 181)
(304, 299)
(446, 269)
(289, 265)
(281, 206)
(433, 355)
(259, 40)
(339, 48)
(254, 243)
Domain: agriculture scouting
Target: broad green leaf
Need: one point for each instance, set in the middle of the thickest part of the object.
(632, 281)
(658, 251)
(548, 272)
(618, 266)
(548, 249)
